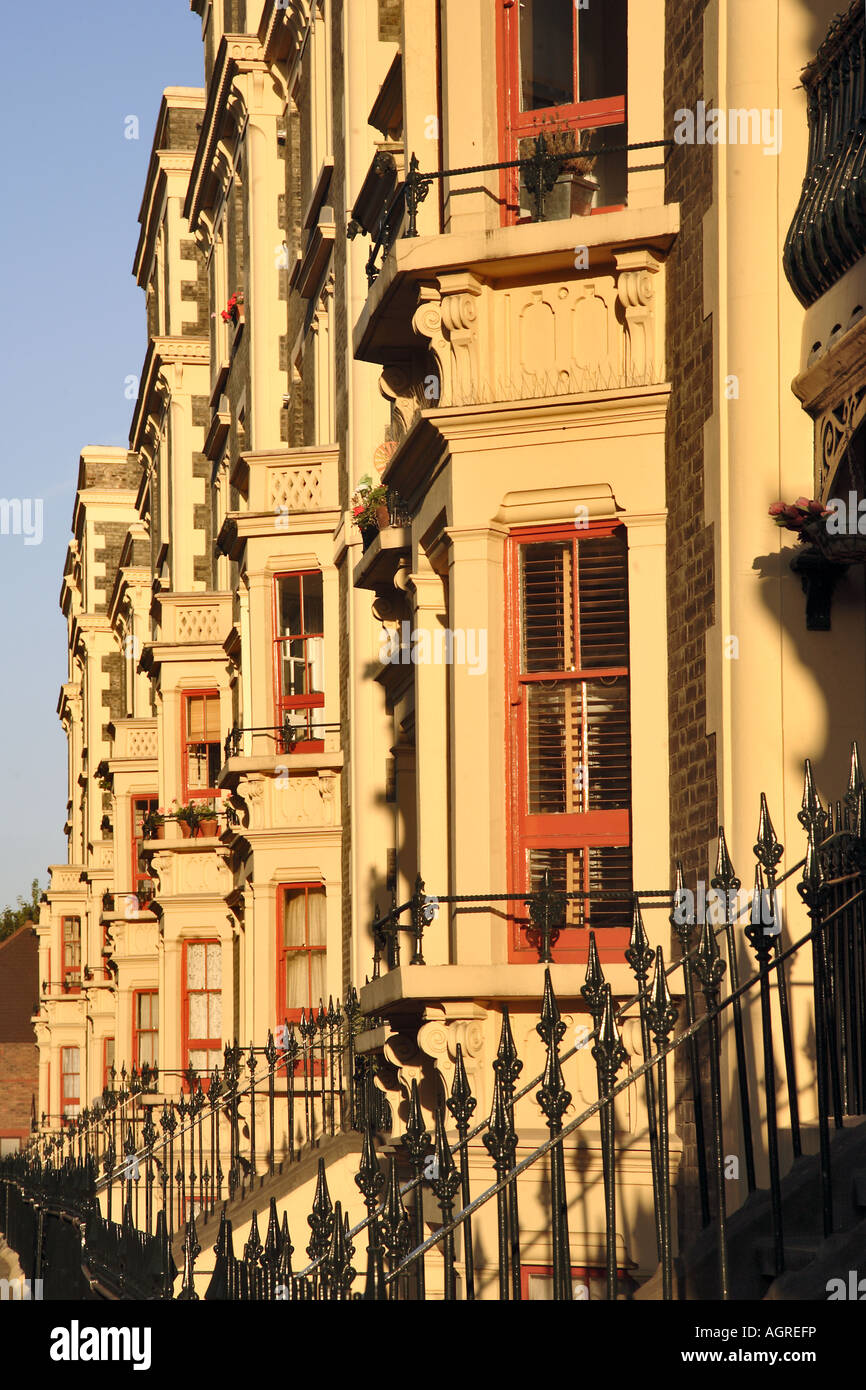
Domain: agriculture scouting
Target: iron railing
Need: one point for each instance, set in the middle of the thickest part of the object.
(285, 737)
(679, 1010)
(542, 170)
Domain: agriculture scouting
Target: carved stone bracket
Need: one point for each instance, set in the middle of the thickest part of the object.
(635, 287)
(439, 1037)
(447, 316)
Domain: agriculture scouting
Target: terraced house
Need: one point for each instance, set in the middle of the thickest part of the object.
(424, 637)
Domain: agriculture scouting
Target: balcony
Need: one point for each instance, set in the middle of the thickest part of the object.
(828, 233)
(824, 254)
(282, 492)
(194, 625)
(134, 741)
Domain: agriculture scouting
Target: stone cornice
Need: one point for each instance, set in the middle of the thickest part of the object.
(437, 434)
(283, 28)
(161, 353)
(236, 53)
(165, 164)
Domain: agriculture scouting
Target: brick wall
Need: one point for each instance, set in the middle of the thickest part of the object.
(292, 226)
(691, 580)
(19, 1055)
(390, 20)
(197, 292)
(19, 1083)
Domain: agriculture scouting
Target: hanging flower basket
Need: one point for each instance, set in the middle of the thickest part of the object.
(807, 518)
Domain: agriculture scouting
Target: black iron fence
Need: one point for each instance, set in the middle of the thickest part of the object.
(428, 1230)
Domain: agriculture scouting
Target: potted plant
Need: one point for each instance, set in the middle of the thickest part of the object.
(233, 312)
(209, 826)
(153, 826)
(370, 511)
(578, 165)
(189, 819)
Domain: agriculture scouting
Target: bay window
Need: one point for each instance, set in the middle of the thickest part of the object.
(202, 1006)
(570, 732)
(563, 69)
(145, 1027)
(301, 950)
(202, 744)
(71, 929)
(70, 1082)
(299, 650)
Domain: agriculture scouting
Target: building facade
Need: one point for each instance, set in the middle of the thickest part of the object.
(570, 647)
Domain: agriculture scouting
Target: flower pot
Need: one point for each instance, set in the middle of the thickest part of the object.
(383, 516)
(185, 829)
(160, 832)
(583, 190)
(368, 535)
(209, 828)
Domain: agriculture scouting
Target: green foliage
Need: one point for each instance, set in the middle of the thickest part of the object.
(11, 918)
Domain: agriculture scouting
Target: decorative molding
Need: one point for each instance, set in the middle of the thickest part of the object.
(635, 288)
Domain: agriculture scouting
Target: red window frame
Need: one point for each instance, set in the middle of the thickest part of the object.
(287, 706)
(584, 830)
(283, 1013)
(71, 972)
(196, 793)
(70, 1104)
(516, 125)
(145, 803)
(583, 1272)
(138, 1032)
(107, 1062)
(212, 1044)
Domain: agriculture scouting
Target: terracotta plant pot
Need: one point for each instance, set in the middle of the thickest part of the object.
(583, 189)
(209, 828)
(383, 516)
(160, 832)
(185, 829)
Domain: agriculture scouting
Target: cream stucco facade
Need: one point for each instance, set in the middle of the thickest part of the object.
(513, 383)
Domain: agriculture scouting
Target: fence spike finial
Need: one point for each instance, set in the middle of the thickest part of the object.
(593, 987)
(811, 812)
(461, 1102)
(725, 876)
(638, 953)
(661, 1011)
(321, 1218)
(507, 1065)
(767, 849)
(416, 1140)
(812, 886)
(855, 777)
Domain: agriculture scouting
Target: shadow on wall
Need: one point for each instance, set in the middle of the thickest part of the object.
(836, 661)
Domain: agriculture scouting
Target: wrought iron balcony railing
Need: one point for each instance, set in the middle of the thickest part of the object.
(284, 737)
(828, 232)
(541, 172)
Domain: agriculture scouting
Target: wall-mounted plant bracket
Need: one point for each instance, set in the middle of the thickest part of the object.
(819, 577)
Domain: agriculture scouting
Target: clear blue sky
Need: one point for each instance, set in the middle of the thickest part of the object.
(73, 330)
